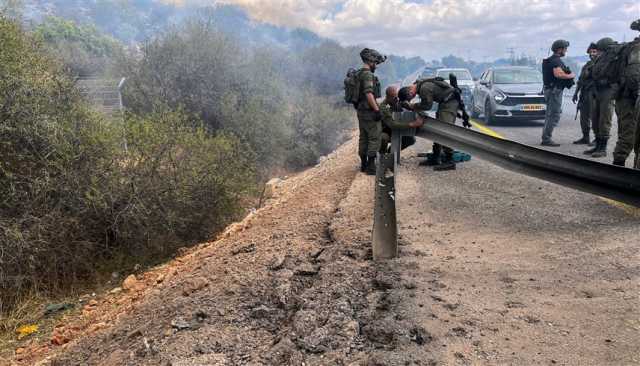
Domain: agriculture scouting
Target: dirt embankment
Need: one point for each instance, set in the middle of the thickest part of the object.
(292, 284)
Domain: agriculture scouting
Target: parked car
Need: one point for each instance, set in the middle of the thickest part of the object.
(465, 82)
(513, 92)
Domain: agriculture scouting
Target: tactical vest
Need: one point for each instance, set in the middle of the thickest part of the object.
(363, 104)
(437, 81)
(631, 67)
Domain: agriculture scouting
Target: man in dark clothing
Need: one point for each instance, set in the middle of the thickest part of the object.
(582, 96)
(556, 77)
(603, 94)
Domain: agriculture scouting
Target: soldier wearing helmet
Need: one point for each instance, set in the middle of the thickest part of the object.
(368, 110)
(628, 102)
(556, 76)
(582, 96)
(602, 96)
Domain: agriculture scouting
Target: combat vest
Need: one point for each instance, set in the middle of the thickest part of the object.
(630, 73)
(363, 104)
(607, 68)
(440, 83)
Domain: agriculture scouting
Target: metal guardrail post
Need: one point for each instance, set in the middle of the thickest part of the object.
(385, 228)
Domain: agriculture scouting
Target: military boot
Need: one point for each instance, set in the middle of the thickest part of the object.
(595, 148)
(371, 165)
(619, 162)
(585, 140)
(602, 151)
(363, 163)
(447, 164)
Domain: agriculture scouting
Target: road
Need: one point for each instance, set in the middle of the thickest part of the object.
(511, 270)
(529, 132)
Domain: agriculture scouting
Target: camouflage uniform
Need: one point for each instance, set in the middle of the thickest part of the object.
(443, 94)
(370, 129)
(389, 124)
(585, 87)
(602, 98)
(628, 103)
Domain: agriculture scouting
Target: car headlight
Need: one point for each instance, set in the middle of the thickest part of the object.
(499, 96)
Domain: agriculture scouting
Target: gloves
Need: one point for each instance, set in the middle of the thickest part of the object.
(377, 116)
(575, 98)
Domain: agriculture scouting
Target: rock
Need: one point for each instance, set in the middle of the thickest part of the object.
(381, 332)
(180, 324)
(131, 283)
(20, 351)
(96, 327)
(304, 321)
(244, 249)
(316, 253)
(194, 285)
(285, 352)
(277, 262)
(116, 291)
(271, 188)
(93, 303)
(55, 308)
(317, 341)
(383, 282)
(419, 336)
(160, 278)
(59, 339)
(262, 312)
(306, 269)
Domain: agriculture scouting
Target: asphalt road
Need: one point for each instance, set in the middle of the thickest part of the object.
(529, 132)
(513, 270)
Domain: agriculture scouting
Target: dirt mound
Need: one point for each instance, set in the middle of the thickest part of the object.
(292, 283)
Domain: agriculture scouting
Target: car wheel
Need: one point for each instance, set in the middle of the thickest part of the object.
(488, 113)
(474, 111)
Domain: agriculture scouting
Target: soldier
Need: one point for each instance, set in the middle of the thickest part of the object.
(556, 77)
(439, 91)
(387, 107)
(602, 101)
(368, 111)
(628, 102)
(582, 97)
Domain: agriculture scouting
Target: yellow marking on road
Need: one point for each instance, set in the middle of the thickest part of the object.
(628, 209)
(486, 130)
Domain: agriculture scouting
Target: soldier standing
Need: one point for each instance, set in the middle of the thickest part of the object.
(390, 105)
(602, 100)
(368, 111)
(439, 91)
(556, 76)
(628, 102)
(582, 97)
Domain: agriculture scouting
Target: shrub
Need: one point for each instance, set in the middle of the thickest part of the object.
(72, 198)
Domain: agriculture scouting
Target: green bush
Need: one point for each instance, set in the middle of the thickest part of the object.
(73, 198)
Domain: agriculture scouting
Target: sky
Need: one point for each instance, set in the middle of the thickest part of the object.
(475, 29)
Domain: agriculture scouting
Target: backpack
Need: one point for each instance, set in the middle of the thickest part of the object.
(608, 66)
(352, 87)
(436, 80)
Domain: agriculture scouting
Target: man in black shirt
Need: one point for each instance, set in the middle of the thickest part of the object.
(556, 76)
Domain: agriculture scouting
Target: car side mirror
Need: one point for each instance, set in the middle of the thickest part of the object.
(484, 82)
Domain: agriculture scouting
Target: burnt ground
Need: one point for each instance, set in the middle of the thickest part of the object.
(494, 269)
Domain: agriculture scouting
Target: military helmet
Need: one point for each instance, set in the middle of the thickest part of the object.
(635, 25)
(371, 55)
(561, 43)
(592, 46)
(605, 43)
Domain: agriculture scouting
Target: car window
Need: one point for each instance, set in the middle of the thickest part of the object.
(460, 74)
(484, 74)
(518, 76)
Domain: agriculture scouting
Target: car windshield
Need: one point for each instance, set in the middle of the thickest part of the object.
(522, 76)
(460, 74)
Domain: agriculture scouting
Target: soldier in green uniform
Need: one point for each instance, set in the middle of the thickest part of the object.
(369, 115)
(390, 105)
(628, 102)
(602, 104)
(430, 91)
(584, 89)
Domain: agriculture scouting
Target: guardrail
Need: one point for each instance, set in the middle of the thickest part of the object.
(605, 180)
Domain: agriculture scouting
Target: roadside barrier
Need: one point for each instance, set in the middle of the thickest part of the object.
(617, 183)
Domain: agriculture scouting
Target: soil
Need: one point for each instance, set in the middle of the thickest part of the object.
(494, 269)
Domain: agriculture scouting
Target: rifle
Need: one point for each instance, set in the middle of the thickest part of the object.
(579, 106)
(453, 80)
(566, 83)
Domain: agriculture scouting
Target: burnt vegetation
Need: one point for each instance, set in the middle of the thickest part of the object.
(209, 116)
